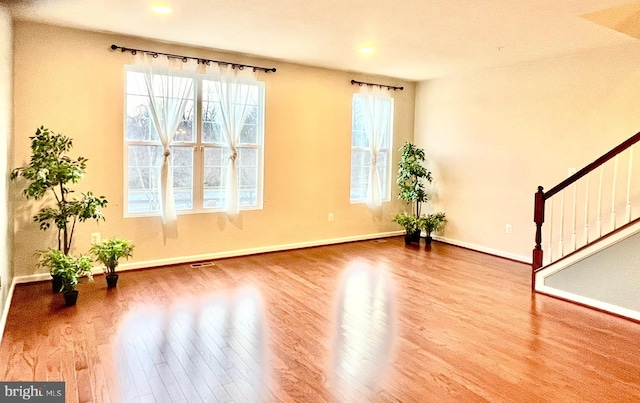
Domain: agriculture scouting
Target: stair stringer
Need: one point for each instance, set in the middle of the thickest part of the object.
(581, 254)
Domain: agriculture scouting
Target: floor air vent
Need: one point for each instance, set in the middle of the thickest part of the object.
(379, 241)
(202, 264)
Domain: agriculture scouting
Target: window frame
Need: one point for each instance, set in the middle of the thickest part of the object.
(198, 147)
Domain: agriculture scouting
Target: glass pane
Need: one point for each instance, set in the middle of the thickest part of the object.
(182, 169)
(215, 169)
(248, 196)
(138, 123)
(185, 130)
(252, 115)
(360, 165)
(357, 111)
(211, 122)
(144, 170)
(382, 172)
(211, 132)
(182, 156)
(249, 134)
(358, 134)
(248, 177)
(248, 157)
(135, 83)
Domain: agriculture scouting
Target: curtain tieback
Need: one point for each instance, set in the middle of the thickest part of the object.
(233, 156)
(167, 152)
(374, 159)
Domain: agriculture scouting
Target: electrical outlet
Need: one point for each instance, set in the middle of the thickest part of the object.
(330, 218)
(508, 228)
(95, 237)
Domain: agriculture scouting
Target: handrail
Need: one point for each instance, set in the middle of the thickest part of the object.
(541, 196)
(595, 164)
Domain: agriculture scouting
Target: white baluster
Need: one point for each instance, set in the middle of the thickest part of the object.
(573, 223)
(561, 243)
(599, 222)
(586, 213)
(629, 169)
(613, 193)
(550, 230)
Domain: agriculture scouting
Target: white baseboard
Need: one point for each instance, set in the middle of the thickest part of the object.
(594, 303)
(220, 255)
(483, 249)
(276, 248)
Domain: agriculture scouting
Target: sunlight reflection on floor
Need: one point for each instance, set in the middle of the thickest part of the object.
(364, 332)
(209, 350)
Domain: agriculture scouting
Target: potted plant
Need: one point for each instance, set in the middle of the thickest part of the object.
(432, 222)
(51, 172)
(411, 177)
(411, 225)
(109, 252)
(69, 269)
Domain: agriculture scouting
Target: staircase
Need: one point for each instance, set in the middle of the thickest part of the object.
(587, 238)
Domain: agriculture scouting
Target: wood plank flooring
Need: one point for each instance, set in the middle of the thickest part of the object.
(363, 321)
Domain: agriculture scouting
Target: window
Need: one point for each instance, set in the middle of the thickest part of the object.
(370, 119)
(199, 152)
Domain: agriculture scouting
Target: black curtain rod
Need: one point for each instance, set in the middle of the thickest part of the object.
(389, 87)
(186, 58)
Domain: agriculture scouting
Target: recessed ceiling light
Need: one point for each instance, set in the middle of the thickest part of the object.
(160, 8)
(366, 49)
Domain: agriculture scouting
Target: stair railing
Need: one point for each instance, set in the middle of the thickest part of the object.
(608, 178)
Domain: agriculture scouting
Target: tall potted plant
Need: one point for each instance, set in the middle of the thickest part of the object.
(109, 252)
(411, 177)
(69, 269)
(49, 176)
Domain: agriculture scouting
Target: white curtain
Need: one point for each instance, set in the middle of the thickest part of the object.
(168, 97)
(234, 91)
(376, 114)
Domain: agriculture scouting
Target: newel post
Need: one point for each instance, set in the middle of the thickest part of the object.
(538, 218)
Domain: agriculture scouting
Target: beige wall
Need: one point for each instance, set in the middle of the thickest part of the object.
(493, 136)
(6, 225)
(69, 81)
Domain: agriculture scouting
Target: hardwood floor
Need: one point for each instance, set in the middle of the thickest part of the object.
(363, 321)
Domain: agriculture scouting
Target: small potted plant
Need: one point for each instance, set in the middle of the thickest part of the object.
(69, 269)
(432, 222)
(109, 252)
(411, 225)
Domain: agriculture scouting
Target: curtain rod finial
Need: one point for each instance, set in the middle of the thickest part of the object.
(114, 47)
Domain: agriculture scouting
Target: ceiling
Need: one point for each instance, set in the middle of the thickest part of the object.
(412, 39)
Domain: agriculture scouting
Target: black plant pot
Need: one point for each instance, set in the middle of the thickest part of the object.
(70, 297)
(56, 283)
(112, 280)
(412, 237)
(415, 236)
(428, 239)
